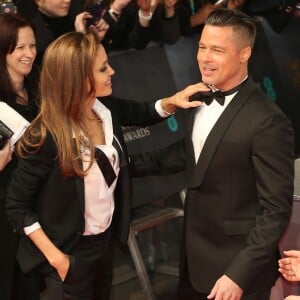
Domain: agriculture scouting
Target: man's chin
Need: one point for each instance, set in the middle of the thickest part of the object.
(208, 81)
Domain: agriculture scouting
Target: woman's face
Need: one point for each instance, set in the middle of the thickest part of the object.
(54, 8)
(19, 62)
(102, 72)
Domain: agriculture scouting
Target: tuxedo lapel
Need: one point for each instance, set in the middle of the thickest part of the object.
(197, 174)
(79, 183)
(188, 140)
(119, 144)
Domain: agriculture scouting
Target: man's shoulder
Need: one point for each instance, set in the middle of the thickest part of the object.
(261, 102)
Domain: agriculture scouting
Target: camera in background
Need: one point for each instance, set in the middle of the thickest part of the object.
(5, 134)
(7, 7)
(95, 8)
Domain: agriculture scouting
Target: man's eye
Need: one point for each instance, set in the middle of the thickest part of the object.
(218, 50)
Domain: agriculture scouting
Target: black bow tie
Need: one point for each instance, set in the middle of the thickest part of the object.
(208, 97)
(218, 95)
(105, 167)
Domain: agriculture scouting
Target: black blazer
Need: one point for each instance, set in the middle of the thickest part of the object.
(39, 192)
(239, 194)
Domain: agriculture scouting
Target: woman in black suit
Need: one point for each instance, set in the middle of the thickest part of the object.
(18, 90)
(71, 190)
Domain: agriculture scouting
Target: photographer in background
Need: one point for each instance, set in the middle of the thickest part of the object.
(160, 20)
(278, 13)
(26, 8)
(193, 13)
(52, 19)
(7, 7)
(133, 24)
(123, 24)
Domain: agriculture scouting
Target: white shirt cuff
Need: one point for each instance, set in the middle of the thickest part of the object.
(30, 229)
(160, 110)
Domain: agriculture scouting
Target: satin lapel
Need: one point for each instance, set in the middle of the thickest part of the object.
(119, 144)
(79, 183)
(197, 174)
(188, 140)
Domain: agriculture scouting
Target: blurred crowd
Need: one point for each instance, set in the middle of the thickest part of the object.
(118, 24)
(134, 24)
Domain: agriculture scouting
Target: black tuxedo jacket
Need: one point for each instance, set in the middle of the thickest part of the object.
(239, 194)
(39, 192)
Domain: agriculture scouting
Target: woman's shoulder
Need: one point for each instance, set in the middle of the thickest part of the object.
(39, 140)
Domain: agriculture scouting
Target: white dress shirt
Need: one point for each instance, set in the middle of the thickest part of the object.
(205, 118)
(99, 198)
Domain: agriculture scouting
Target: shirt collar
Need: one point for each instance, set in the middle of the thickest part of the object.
(105, 115)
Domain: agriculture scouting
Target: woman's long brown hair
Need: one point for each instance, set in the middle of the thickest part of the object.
(65, 85)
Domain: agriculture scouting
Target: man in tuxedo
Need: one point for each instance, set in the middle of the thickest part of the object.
(240, 156)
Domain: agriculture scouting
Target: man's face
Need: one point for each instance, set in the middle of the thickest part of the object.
(54, 8)
(221, 57)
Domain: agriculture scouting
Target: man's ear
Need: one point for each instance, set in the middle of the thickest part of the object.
(245, 54)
